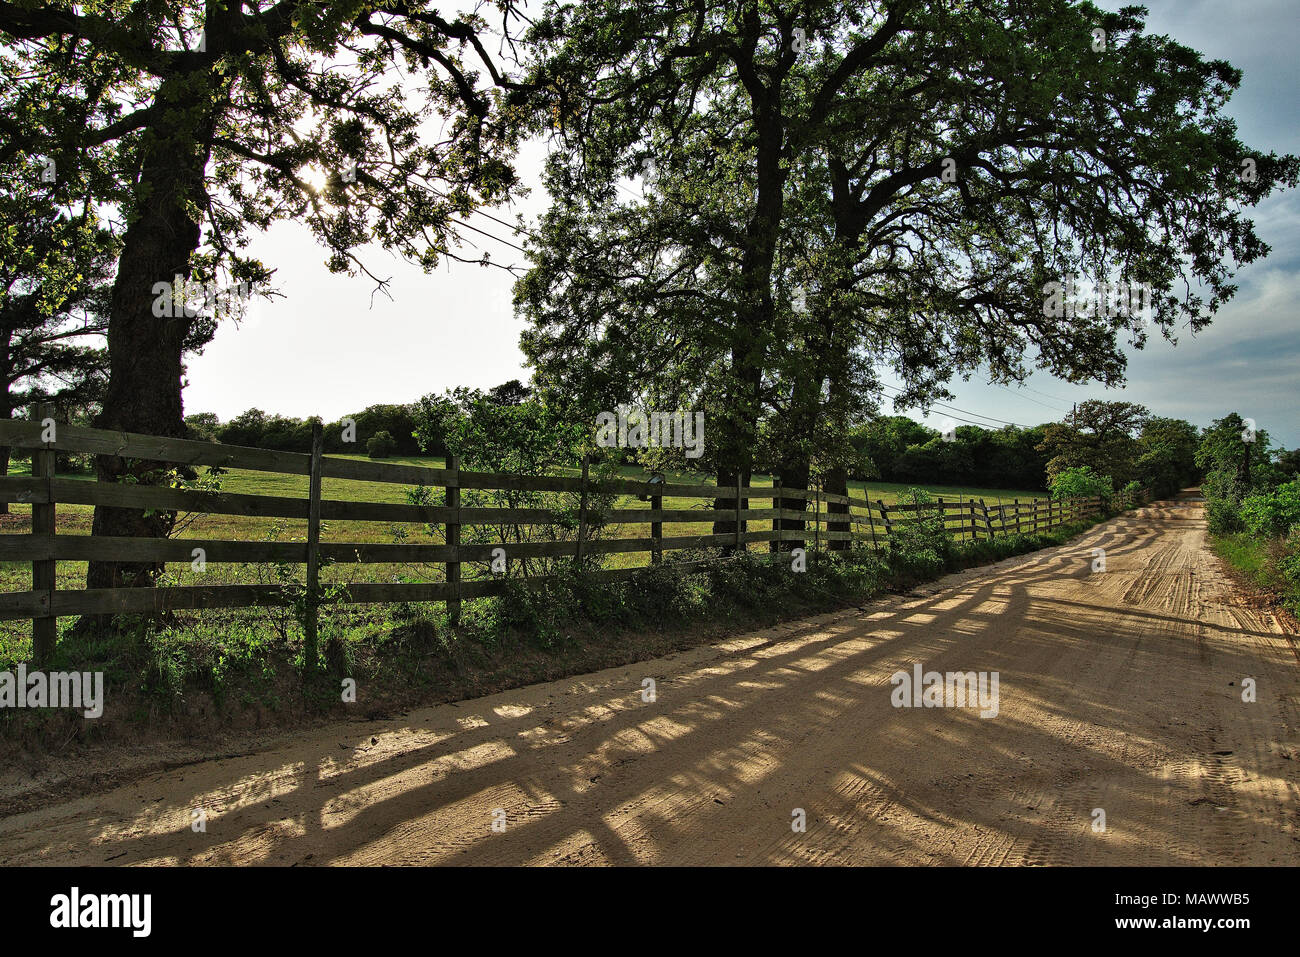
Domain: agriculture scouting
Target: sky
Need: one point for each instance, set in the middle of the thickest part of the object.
(331, 346)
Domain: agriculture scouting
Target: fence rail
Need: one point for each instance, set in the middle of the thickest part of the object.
(867, 522)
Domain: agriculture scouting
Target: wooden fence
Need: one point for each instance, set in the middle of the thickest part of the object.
(870, 523)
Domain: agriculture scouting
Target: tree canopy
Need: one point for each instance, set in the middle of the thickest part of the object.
(829, 189)
(198, 124)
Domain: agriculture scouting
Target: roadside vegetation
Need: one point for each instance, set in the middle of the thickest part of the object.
(1252, 505)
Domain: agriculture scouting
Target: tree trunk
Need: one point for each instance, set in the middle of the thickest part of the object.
(6, 403)
(145, 350)
(755, 317)
(795, 462)
(794, 475)
(735, 455)
(837, 483)
(7, 412)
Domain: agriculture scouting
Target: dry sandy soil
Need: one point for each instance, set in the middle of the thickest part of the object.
(1119, 690)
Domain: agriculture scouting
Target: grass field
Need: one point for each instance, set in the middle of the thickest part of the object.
(76, 520)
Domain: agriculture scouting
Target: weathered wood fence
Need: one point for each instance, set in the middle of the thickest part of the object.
(870, 523)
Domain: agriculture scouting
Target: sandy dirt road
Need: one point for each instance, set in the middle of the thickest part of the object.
(1118, 690)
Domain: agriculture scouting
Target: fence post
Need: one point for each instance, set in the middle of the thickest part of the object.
(817, 521)
(453, 540)
(943, 516)
(45, 629)
(777, 524)
(311, 632)
(988, 522)
(582, 509)
(884, 517)
(739, 524)
(656, 532)
(872, 522)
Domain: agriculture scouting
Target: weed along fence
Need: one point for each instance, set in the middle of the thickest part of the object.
(577, 524)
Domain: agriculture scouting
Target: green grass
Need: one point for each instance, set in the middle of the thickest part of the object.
(1249, 556)
(1270, 565)
(76, 520)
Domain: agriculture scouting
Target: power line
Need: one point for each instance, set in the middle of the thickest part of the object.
(630, 193)
(982, 425)
(954, 408)
(1031, 399)
(518, 231)
(1046, 396)
(504, 242)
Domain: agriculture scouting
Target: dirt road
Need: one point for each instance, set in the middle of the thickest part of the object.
(1118, 689)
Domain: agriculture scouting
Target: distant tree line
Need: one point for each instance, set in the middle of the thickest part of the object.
(262, 430)
(894, 448)
(1119, 444)
(409, 428)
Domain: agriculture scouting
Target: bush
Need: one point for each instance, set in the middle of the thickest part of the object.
(1289, 565)
(380, 445)
(921, 548)
(1082, 482)
(1223, 497)
(1130, 494)
(1272, 514)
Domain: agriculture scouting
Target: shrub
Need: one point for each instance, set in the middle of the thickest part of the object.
(1289, 565)
(1223, 497)
(920, 548)
(1082, 482)
(1272, 513)
(380, 445)
(1130, 493)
